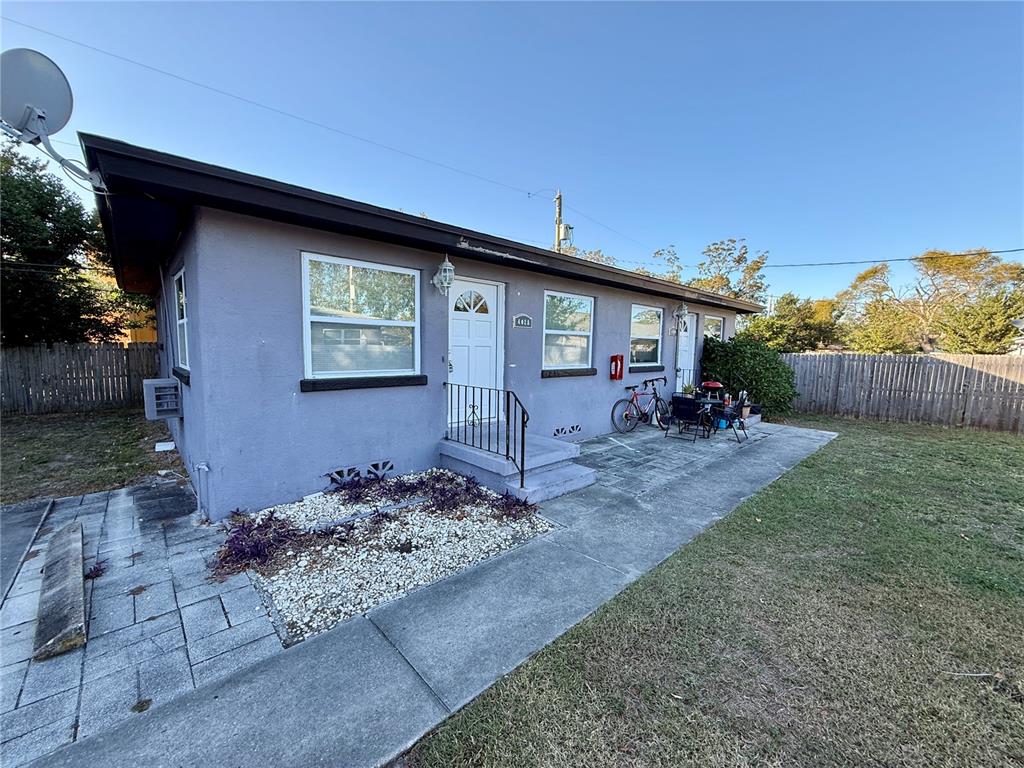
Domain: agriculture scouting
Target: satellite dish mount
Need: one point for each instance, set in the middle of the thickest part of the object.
(36, 101)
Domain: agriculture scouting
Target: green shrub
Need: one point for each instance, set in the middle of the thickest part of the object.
(749, 364)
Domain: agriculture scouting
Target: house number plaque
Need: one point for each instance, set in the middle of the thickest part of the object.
(522, 321)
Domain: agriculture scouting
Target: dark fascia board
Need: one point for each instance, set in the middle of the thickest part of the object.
(131, 170)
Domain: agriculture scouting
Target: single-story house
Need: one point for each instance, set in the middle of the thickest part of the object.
(312, 334)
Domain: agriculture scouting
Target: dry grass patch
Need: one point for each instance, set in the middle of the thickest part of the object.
(66, 454)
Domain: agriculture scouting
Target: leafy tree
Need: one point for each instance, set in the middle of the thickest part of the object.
(597, 256)
(985, 325)
(52, 252)
(882, 327)
(943, 281)
(796, 325)
(729, 269)
(673, 269)
(744, 363)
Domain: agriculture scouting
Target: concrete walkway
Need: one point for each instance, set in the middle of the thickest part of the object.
(365, 691)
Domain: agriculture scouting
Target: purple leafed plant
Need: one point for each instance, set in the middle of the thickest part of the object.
(510, 507)
(251, 543)
(354, 489)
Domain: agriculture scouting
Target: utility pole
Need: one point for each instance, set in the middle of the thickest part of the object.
(558, 221)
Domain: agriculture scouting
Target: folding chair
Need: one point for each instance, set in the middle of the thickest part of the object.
(686, 415)
(732, 415)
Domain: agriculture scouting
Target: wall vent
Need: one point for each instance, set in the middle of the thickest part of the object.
(162, 398)
(570, 430)
(376, 469)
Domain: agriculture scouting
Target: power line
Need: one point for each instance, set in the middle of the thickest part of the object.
(285, 113)
(610, 229)
(23, 266)
(884, 261)
(471, 174)
(44, 265)
(260, 105)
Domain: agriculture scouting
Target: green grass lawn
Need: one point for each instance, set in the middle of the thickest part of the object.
(865, 609)
(65, 454)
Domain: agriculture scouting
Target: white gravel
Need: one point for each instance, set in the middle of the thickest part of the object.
(314, 587)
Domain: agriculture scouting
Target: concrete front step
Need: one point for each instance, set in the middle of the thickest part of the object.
(541, 452)
(553, 482)
(550, 471)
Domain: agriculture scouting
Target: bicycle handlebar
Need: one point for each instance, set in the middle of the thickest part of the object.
(655, 381)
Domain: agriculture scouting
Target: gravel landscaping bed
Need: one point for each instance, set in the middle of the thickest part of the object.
(334, 555)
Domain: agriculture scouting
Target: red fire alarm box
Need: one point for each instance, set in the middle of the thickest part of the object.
(617, 366)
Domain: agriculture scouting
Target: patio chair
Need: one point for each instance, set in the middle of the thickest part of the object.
(732, 415)
(686, 414)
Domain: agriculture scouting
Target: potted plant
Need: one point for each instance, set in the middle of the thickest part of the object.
(688, 390)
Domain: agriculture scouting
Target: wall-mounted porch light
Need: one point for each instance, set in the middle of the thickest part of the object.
(444, 277)
(679, 314)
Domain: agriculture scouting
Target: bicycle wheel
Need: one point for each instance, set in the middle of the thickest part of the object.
(625, 416)
(661, 414)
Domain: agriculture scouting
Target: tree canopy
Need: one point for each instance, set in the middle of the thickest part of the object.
(597, 255)
(796, 325)
(932, 311)
(52, 253)
(728, 268)
(985, 325)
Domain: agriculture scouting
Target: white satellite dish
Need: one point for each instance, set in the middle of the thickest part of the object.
(36, 101)
(30, 82)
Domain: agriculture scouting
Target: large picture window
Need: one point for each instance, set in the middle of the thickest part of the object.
(361, 319)
(714, 327)
(645, 335)
(181, 320)
(568, 327)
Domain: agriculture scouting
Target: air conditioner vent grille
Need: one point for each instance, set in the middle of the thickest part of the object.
(162, 398)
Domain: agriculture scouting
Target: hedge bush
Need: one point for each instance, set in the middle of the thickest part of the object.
(749, 364)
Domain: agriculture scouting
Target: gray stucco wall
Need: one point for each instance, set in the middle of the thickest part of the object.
(266, 442)
(189, 432)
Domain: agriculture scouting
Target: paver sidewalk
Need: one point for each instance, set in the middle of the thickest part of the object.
(157, 627)
(363, 692)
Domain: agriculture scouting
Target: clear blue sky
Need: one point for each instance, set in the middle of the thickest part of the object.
(824, 131)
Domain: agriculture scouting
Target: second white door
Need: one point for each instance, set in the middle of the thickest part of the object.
(685, 352)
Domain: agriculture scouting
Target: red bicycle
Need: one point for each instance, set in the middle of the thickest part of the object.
(629, 412)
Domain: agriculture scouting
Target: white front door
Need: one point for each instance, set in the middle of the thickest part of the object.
(685, 352)
(475, 317)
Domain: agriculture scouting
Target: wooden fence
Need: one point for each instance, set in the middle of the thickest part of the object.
(75, 377)
(980, 391)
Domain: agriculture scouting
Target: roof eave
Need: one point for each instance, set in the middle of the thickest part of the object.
(158, 180)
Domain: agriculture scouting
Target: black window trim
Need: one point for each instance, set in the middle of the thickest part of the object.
(362, 382)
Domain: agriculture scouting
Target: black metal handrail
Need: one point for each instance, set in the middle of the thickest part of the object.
(493, 420)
